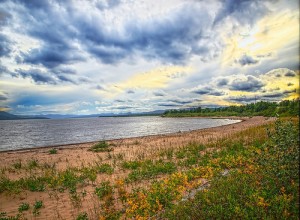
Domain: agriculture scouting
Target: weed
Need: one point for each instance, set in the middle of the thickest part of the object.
(103, 190)
(132, 165)
(53, 151)
(23, 207)
(102, 146)
(18, 165)
(105, 168)
(149, 169)
(37, 206)
(4, 216)
(32, 164)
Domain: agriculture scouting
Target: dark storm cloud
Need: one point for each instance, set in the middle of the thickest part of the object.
(280, 94)
(37, 76)
(55, 76)
(208, 91)
(247, 83)
(244, 11)
(49, 23)
(52, 56)
(173, 37)
(246, 60)
(217, 93)
(290, 84)
(202, 91)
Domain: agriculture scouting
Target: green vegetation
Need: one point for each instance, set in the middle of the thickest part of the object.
(102, 146)
(263, 185)
(36, 207)
(23, 207)
(82, 216)
(104, 189)
(53, 151)
(105, 168)
(149, 169)
(268, 109)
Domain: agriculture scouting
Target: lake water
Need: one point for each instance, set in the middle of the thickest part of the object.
(22, 134)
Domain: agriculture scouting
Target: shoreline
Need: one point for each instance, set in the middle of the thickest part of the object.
(35, 164)
(67, 146)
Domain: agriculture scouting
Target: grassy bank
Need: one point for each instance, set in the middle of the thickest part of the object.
(251, 174)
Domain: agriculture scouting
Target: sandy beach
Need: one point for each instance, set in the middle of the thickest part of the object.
(58, 205)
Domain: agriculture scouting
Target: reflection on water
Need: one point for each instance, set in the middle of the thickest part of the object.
(19, 134)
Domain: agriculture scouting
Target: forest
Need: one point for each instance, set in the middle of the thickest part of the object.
(284, 108)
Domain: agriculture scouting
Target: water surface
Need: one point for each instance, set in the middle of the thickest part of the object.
(22, 134)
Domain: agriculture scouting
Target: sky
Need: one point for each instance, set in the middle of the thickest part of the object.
(118, 56)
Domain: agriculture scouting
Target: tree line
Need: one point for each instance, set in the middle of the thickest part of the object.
(262, 108)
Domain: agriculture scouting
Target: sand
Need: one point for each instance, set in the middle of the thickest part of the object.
(59, 206)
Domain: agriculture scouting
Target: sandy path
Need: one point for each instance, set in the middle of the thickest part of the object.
(77, 155)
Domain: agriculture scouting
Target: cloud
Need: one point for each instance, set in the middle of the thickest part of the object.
(159, 93)
(222, 82)
(180, 101)
(130, 91)
(52, 56)
(243, 11)
(290, 74)
(3, 97)
(209, 90)
(169, 105)
(155, 78)
(37, 76)
(246, 83)
(5, 46)
(174, 36)
(246, 60)
(243, 98)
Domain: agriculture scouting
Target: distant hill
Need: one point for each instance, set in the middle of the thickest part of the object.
(8, 116)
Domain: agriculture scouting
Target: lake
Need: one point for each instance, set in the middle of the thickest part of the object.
(23, 134)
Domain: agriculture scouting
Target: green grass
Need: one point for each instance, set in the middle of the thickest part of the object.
(104, 189)
(102, 146)
(263, 183)
(53, 151)
(149, 169)
(105, 168)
